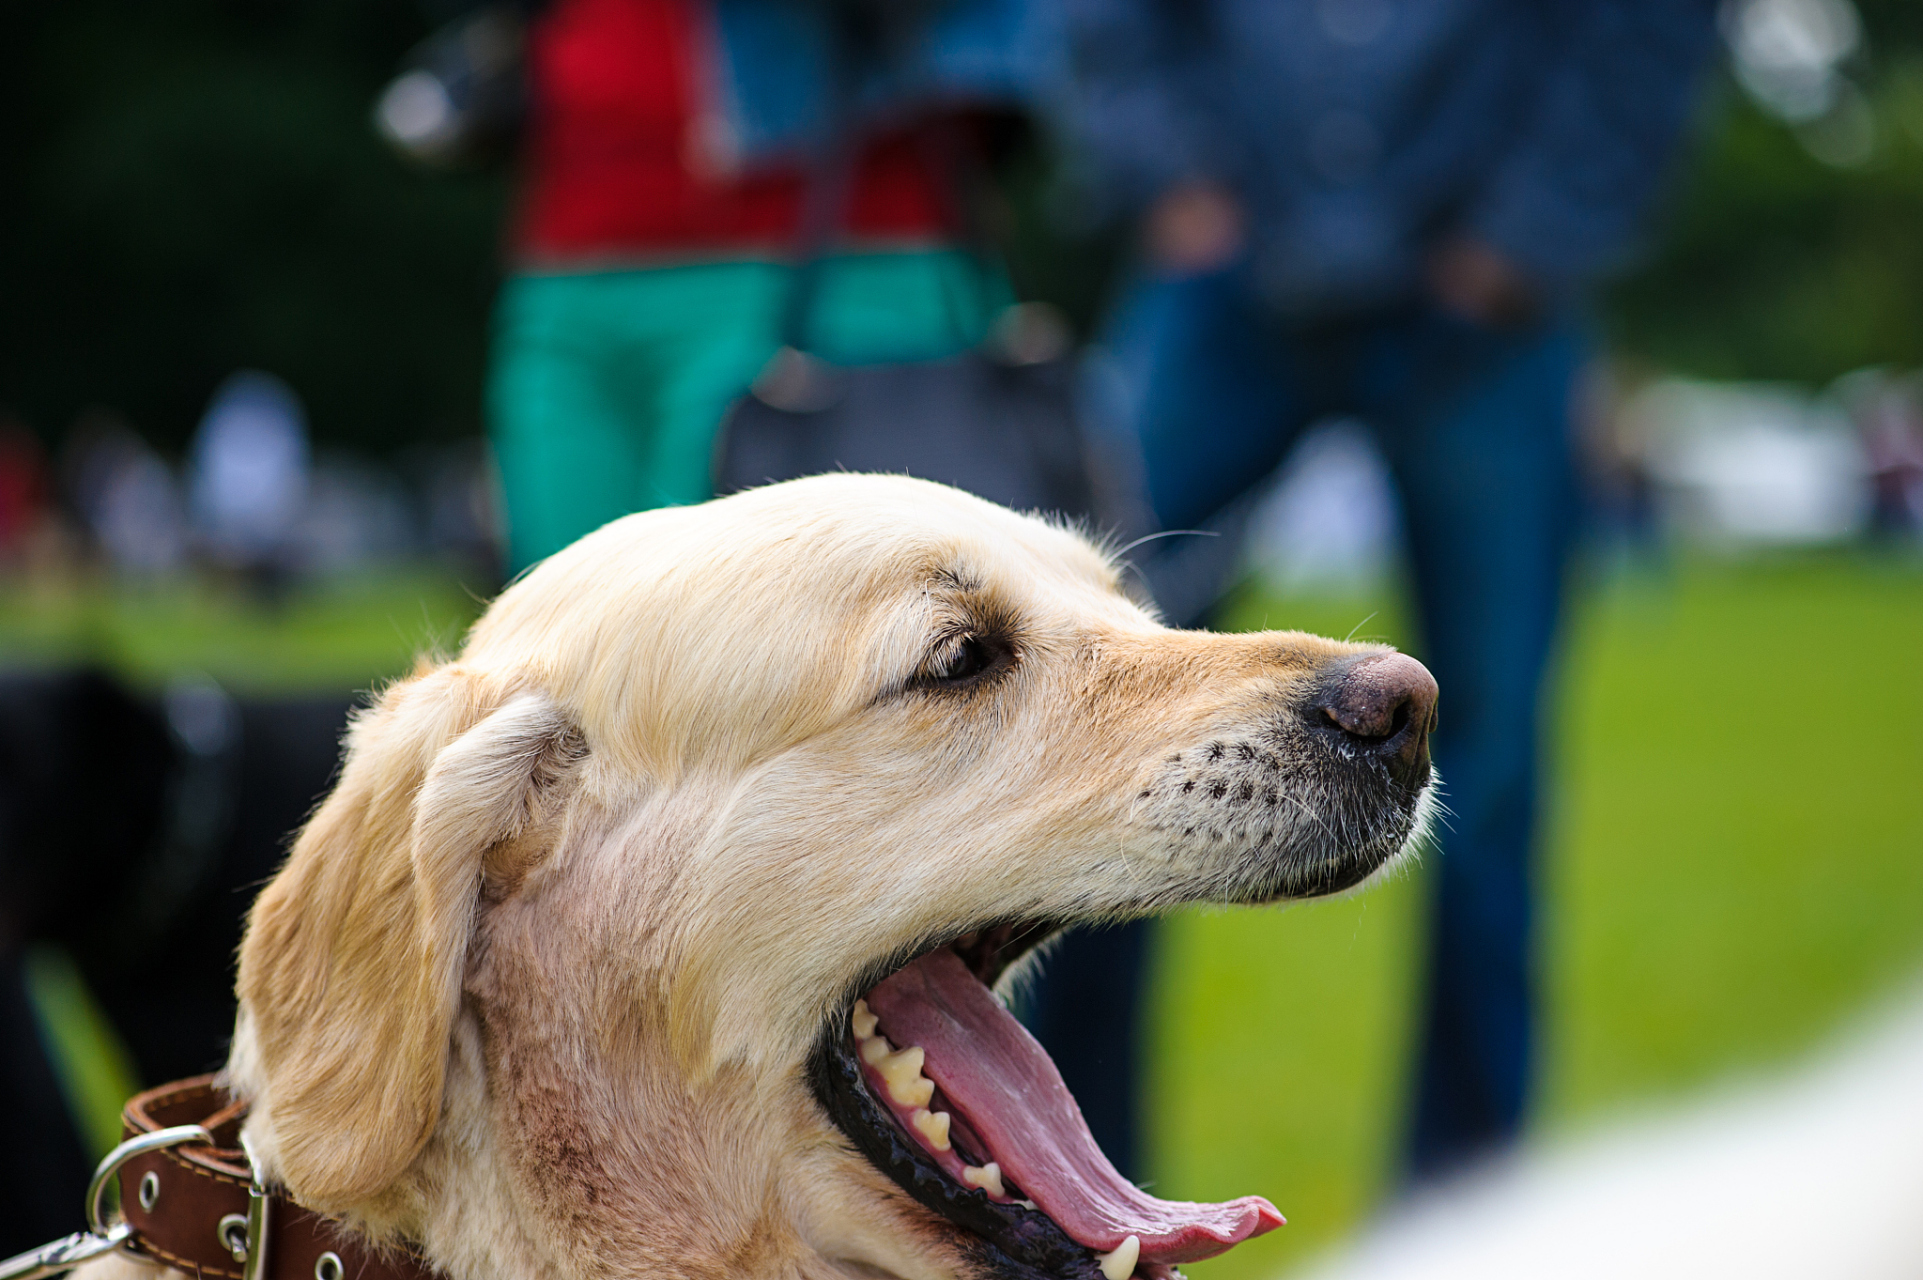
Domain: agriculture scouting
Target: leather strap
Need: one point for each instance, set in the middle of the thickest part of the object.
(196, 1186)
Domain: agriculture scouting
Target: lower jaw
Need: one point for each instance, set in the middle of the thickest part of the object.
(1005, 1240)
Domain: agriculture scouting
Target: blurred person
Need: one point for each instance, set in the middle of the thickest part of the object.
(358, 514)
(248, 470)
(126, 495)
(23, 487)
(462, 520)
(675, 159)
(1392, 209)
(1888, 411)
(672, 147)
(1614, 445)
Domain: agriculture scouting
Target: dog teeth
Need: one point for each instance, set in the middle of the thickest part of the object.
(1120, 1263)
(988, 1177)
(902, 1072)
(933, 1126)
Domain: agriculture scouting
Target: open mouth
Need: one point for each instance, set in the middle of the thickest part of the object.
(942, 1089)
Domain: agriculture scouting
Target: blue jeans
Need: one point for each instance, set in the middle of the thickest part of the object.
(1476, 425)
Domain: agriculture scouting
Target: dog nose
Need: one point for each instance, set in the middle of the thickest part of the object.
(1386, 705)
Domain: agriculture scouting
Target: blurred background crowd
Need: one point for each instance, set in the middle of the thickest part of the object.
(309, 310)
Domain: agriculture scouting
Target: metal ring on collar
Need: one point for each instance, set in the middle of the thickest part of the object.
(232, 1231)
(138, 1146)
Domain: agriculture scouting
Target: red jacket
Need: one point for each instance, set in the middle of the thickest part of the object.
(623, 164)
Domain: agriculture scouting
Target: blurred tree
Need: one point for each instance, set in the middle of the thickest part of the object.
(1795, 250)
(194, 186)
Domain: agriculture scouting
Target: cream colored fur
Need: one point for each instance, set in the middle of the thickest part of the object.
(537, 984)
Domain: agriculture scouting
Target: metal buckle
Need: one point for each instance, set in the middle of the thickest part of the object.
(245, 1235)
(104, 1237)
(254, 1264)
(62, 1255)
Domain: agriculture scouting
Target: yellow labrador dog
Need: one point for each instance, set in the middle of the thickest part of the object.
(658, 933)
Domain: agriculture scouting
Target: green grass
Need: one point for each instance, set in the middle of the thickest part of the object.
(1739, 855)
(1735, 863)
(344, 634)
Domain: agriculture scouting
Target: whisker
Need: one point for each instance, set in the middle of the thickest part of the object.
(1166, 533)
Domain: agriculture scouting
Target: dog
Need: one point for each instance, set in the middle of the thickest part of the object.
(659, 932)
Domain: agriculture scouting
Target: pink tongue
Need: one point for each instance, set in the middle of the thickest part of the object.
(1008, 1090)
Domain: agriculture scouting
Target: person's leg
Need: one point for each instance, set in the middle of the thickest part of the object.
(918, 304)
(570, 453)
(1477, 427)
(1201, 402)
(871, 308)
(607, 389)
(1202, 390)
(723, 320)
(1087, 1009)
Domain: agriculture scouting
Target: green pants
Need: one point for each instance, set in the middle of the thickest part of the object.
(606, 387)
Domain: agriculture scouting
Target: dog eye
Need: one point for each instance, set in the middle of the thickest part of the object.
(964, 658)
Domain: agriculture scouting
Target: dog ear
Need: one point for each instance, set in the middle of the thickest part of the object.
(350, 972)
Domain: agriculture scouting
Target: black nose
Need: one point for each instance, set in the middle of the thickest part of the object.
(1385, 705)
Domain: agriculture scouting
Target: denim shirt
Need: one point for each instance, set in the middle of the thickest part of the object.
(1357, 131)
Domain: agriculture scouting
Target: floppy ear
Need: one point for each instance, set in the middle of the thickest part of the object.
(350, 973)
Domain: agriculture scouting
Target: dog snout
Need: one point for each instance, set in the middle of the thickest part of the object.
(1384, 705)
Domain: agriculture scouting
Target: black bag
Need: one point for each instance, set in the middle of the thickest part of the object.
(998, 421)
(1000, 428)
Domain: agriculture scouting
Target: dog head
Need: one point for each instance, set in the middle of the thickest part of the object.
(655, 933)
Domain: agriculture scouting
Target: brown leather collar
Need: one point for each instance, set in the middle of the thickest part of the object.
(177, 1217)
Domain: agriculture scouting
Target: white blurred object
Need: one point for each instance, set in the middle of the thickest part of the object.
(416, 114)
(1745, 464)
(1331, 519)
(461, 92)
(129, 499)
(1787, 52)
(139, 521)
(1788, 55)
(248, 469)
(1818, 1176)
